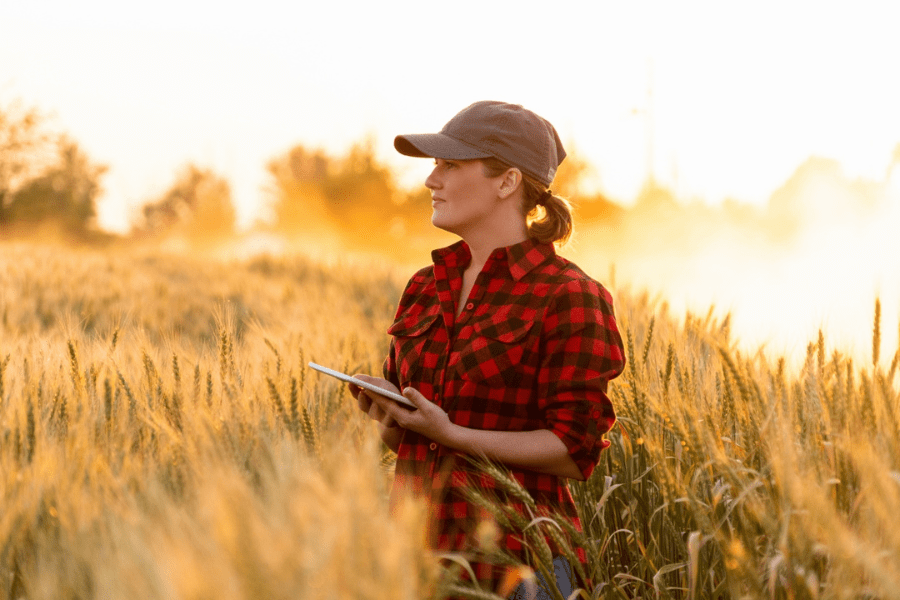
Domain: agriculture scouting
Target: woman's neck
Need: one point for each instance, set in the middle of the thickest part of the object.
(483, 242)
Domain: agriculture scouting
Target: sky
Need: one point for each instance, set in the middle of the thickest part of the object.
(727, 98)
(718, 100)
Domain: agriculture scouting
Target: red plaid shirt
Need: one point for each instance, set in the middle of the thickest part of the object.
(533, 348)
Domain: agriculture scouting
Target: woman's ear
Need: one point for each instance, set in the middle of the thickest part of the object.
(509, 182)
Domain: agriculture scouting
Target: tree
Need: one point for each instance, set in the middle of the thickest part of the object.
(299, 204)
(570, 179)
(44, 177)
(197, 207)
(352, 198)
(24, 150)
(65, 193)
(571, 182)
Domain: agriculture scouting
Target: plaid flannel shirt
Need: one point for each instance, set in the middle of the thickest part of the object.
(533, 348)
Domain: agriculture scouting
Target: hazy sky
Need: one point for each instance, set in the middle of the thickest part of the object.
(742, 92)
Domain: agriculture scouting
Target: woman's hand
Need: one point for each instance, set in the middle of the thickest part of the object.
(430, 419)
(391, 433)
(364, 399)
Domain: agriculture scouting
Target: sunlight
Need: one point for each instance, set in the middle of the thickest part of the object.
(716, 103)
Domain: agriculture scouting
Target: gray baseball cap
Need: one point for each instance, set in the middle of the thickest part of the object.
(509, 132)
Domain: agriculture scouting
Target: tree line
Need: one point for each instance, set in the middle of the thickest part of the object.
(46, 178)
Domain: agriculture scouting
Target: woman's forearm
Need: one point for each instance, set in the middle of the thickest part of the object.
(539, 450)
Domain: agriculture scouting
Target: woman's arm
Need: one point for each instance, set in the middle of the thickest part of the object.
(540, 450)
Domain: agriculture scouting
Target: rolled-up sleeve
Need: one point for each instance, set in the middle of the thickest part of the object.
(389, 368)
(582, 350)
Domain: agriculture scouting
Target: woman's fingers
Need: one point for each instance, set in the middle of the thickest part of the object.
(364, 402)
(378, 413)
(373, 409)
(382, 406)
(430, 419)
(366, 399)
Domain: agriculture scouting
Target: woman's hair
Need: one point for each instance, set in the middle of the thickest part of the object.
(548, 222)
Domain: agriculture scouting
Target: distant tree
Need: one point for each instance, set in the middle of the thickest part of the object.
(361, 192)
(197, 207)
(299, 204)
(25, 149)
(571, 182)
(597, 209)
(571, 177)
(353, 197)
(65, 193)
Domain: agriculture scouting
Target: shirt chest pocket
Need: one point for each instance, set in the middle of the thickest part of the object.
(501, 352)
(414, 346)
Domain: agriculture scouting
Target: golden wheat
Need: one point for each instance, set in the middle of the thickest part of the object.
(120, 481)
(160, 437)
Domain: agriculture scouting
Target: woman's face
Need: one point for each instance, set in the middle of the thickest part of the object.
(463, 197)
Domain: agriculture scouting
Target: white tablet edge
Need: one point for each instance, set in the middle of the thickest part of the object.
(373, 388)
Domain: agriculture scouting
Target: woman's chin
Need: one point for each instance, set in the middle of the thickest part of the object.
(440, 222)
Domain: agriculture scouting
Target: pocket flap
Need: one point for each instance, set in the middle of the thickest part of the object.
(506, 328)
(412, 325)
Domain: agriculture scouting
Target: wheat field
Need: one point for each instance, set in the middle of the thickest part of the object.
(160, 437)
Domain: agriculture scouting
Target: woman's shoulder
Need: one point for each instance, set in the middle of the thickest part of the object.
(418, 306)
(421, 283)
(423, 275)
(568, 278)
(420, 280)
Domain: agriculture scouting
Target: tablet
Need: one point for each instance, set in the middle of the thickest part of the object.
(368, 386)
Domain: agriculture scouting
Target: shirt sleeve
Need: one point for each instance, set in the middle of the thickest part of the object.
(581, 351)
(389, 368)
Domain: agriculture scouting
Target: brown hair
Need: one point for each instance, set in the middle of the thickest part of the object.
(549, 222)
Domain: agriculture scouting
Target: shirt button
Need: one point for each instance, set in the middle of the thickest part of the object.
(433, 446)
(596, 414)
(470, 306)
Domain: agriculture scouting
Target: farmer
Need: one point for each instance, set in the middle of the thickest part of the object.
(505, 347)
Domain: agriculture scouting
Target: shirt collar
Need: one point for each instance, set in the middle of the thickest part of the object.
(520, 258)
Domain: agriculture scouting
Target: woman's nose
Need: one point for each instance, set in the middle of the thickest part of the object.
(432, 182)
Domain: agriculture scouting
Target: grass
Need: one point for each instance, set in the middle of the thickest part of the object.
(160, 437)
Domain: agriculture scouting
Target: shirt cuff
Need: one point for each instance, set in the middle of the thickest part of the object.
(584, 449)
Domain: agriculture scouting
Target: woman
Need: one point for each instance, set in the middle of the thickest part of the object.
(505, 348)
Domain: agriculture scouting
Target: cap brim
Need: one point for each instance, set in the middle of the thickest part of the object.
(436, 145)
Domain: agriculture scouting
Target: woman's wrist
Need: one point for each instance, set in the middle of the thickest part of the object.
(456, 437)
(391, 436)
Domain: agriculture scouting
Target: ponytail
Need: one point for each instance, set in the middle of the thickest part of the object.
(548, 216)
